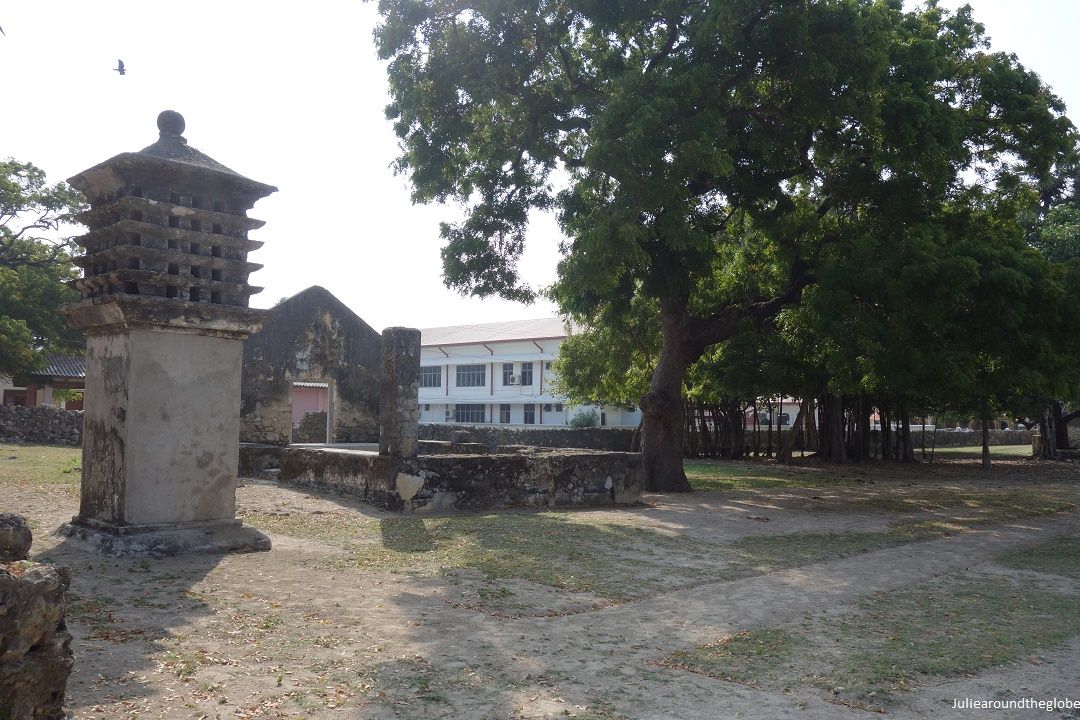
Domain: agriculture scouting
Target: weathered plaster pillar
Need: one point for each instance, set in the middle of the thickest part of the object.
(399, 414)
(165, 310)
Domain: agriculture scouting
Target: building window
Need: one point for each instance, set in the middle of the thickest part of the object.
(504, 413)
(427, 407)
(530, 414)
(603, 419)
(508, 372)
(526, 373)
(558, 407)
(431, 376)
(547, 407)
(471, 376)
(469, 413)
(547, 365)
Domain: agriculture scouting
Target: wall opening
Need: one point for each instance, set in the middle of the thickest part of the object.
(311, 414)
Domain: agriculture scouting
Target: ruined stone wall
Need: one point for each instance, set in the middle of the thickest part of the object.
(464, 482)
(259, 461)
(41, 425)
(311, 336)
(35, 646)
(494, 436)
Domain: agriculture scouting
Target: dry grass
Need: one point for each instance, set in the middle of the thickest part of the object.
(870, 654)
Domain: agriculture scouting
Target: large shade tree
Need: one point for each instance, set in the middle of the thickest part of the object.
(704, 155)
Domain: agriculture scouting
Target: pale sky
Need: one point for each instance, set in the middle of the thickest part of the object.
(293, 95)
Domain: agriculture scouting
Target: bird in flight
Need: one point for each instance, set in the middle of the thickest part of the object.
(120, 67)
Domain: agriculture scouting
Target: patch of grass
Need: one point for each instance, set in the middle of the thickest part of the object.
(336, 528)
(740, 475)
(756, 554)
(563, 550)
(581, 552)
(887, 643)
(745, 658)
(575, 552)
(1060, 556)
(27, 465)
(973, 506)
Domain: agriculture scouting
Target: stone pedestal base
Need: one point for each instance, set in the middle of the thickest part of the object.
(208, 538)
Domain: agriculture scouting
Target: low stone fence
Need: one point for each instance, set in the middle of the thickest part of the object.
(945, 438)
(256, 459)
(470, 482)
(592, 438)
(952, 438)
(41, 424)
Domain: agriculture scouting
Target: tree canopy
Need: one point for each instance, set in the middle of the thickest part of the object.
(712, 159)
(35, 264)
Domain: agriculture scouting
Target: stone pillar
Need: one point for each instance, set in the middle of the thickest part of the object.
(399, 414)
(165, 310)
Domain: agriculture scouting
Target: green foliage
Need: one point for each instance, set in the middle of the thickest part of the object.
(33, 214)
(585, 419)
(1059, 235)
(34, 267)
(848, 172)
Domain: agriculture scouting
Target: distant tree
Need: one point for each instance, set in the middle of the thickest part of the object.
(35, 264)
(711, 152)
(33, 215)
(585, 419)
(1058, 236)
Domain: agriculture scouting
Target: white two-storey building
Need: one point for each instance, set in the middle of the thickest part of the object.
(499, 373)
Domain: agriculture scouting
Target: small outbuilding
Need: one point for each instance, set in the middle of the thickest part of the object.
(313, 356)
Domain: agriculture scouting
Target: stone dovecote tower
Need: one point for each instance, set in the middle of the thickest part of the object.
(165, 292)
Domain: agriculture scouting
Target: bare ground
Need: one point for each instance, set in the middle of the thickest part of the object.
(308, 630)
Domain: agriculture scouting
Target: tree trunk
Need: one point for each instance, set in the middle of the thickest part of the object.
(768, 434)
(735, 419)
(635, 439)
(705, 437)
(908, 454)
(1061, 426)
(787, 445)
(690, 436)
(757, 431)
(812, 438)
(1048, 430)
(832, 429)
(985, 437)
(886, 435)
(662, 407)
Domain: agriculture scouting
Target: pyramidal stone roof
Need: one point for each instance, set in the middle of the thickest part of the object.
(171, 145)
(170, 151)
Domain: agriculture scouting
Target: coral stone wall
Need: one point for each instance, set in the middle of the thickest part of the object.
(41, 425)
(464, 482)
(35, 646)
(494, 436)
